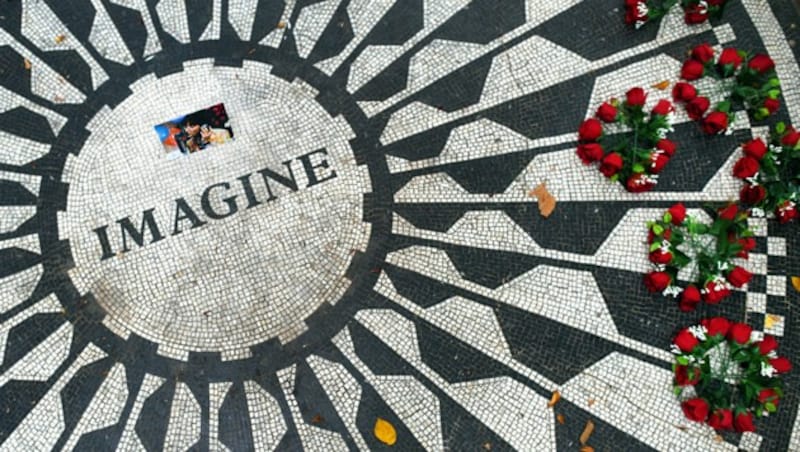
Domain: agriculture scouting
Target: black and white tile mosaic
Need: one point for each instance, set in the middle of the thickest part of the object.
(365, 245)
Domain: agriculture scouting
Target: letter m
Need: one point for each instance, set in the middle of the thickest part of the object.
(148, 222)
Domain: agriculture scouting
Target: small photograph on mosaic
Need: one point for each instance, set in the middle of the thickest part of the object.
(194, 132)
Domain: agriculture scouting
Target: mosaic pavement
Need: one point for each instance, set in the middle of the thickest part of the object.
(366, 246)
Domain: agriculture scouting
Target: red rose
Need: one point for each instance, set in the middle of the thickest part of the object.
(752, 194)
(791, 138)
(729, 212)
(745, 167)
(690, 297)
(590, 130)
(721, 419)
(747, 243)
(635, 97)
(685, 340)
(611, 164)
(683, 92)
(657, 281)
(695, 14)
(678, 213)
(632, 12)
(703, 53)
(639, 183)
(786, 211)
(607, 112)
(682, 376)
(781, 365)
(695, 409)
(590, 152)
(740, 333)
(716, 325)
(663, 107)
(713, 292)
(768, 395)
(730, 56)
(692, 70)
(755, 148)
(658, 160)
(697, 107)
(739, 276)
(744, 422)
(761, 63)
(767, 344)
(772, 105)
(667, 146)
(660, 257)
(715, 122)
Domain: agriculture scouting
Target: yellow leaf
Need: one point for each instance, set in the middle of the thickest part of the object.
(587, 449)
(554, 399)
(385, 432)
(60, 39)
(587, 432)
(796, 283)
(27, 64)
(281, 24)
(770, 320)
(662, 85)
(560, 419)
(547, 202)
(591, 402)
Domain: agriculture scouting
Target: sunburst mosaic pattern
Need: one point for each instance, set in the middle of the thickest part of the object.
(366, 246)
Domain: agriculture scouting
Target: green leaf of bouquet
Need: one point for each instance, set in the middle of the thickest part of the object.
(614, 178)
(637, 168)
(774, 82)
(658, 229)
(780, 127)
(677, 391)
(682, 360)
(774, 93)
(771, 408)
(667, 217)
(654, 246)
(724, 107)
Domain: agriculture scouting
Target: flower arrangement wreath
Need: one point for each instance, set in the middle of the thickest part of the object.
(732, 378)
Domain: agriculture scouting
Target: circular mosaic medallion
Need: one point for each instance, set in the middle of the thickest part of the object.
(224, 248)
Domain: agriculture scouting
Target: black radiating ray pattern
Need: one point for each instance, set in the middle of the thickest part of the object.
(235, 428)
(156, 406)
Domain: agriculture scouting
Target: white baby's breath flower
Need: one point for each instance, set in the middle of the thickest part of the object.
(756, 212)
(639, 24)
(641, 9)
(672, 290)
(698, 331)
(675, 349)
(767, 370)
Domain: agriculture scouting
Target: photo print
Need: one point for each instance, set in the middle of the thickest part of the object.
(195, 132)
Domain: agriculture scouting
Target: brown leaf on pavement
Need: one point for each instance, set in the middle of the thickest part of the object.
(662, 85)
(587, 449)
(27, 64)
(554, 399)
(591, 402)
(587, 432)
(281, 24)
(547, 202)
(60, 39)
(560, 419)
(796, 283)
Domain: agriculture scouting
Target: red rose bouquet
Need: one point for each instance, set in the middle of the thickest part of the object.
(637, 148)
(771, 174)
(724, 377)
(639, 12)
(678, 241)
(746, 80)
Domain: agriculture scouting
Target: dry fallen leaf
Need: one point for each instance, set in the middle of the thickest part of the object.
(385, 432)
(317, 419)
(281, 24)
(60, 39)
(487, 446)
(587, 449)
(591, 402)
(27, 63)
(662, 85)
(547, 202)
(560, 419)
(770, 320)
(554, 399)
(796, 283)
(718, 438)
(587, 432)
